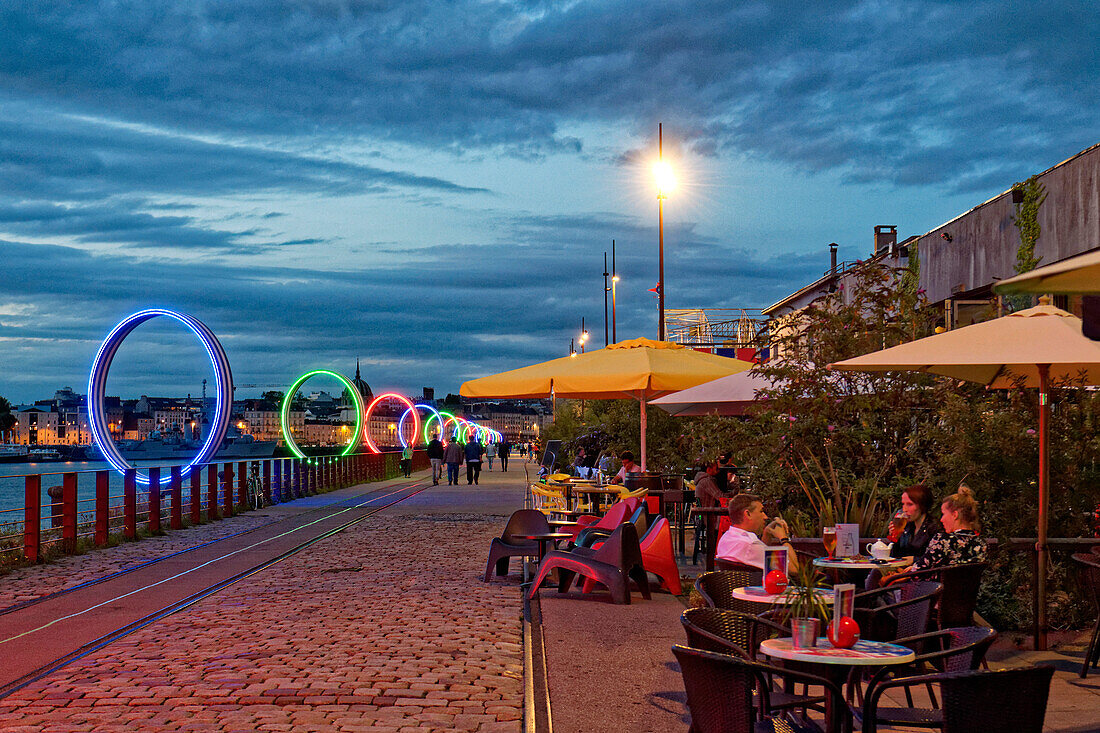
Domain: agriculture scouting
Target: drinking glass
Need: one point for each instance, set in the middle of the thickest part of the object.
(828, 537)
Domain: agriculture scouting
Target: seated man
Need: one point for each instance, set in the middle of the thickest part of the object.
(707, 493)
(629, 466)
(748, 524)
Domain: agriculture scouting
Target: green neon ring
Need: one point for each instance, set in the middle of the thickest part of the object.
(284, 412)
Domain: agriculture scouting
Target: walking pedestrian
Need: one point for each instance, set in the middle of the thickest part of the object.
(435, 455)
(503, 449)
(406, 460)
(474, 451)
(490, 454)
(452, 456)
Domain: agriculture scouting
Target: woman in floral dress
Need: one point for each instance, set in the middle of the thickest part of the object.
(959, 542)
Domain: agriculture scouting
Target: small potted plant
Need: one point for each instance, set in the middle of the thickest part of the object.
(804, 606)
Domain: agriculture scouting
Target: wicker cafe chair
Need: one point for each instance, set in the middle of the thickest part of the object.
(954, 650)
(885, 614)
(524, 521)
(740, 634)
(720, 690)
(716, 588)
(1008, 701)
(1089, 565)
(960, 591)
(615, 564)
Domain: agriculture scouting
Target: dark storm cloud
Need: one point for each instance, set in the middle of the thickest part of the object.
(918, 92)
(450, 313)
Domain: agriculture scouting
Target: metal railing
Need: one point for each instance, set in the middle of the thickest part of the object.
(83, 508)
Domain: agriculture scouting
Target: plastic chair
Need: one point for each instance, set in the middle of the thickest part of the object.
(547, 501)
(1089, 565)
(592, 535)
(614, 564)
(1008, 701)
(905, 610)
(615, 516)
(507, 546)
(716, 588)
(720, 695)
(960, 591)
(954, 650)
(657, 557)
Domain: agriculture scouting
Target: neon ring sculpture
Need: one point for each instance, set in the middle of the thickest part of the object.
(284, 413)
(428, 422)
(408, 403)
(405, 416)
(97, 387)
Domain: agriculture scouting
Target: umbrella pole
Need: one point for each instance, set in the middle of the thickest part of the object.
(641, 401)
(1044, 500)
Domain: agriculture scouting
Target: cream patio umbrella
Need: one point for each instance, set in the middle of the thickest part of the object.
(1029, 348)
(1076, 275)
(640, 369)
(726, 396)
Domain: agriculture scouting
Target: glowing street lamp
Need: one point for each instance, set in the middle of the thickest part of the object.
(584, 334)
(614, 284)
(666, 181)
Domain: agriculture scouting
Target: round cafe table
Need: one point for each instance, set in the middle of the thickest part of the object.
(757, 594)
(859, 562)
(834, 664)
(863, 654)
(543, 540)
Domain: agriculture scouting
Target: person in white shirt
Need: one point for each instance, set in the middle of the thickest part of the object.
(629, 466)
(744, 541)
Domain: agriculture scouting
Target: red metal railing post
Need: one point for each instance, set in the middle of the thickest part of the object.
(227, 472)
(102, 507)
(154, 499)
(177, 498)
(267, 482)
(32, 517)
(242, 483)
(212, 511)
(129, 504)
(196, 494)
(68, 512)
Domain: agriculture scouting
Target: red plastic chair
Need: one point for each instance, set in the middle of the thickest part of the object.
(619, 512)
(657, 557)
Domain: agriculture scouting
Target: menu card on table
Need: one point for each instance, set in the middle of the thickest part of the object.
(847, 540)
(775, 559)
(844, 601)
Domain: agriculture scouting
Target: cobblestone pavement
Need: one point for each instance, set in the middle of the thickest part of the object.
(384, 627)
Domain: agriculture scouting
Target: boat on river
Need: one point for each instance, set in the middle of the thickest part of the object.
(12, 453)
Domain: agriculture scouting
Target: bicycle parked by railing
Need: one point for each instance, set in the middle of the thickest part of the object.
(255, 489)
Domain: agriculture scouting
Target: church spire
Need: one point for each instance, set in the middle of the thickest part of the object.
(357, 368)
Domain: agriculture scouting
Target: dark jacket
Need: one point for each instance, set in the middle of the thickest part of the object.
(910, 544)
(453, 453)
(474, 451)
(435, 449)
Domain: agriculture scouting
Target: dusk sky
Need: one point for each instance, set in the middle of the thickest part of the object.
(430, 186)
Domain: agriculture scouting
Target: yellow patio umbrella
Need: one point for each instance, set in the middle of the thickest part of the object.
(640, 368)
(1027, 348)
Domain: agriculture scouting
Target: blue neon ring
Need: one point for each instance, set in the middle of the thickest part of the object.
(97, 388)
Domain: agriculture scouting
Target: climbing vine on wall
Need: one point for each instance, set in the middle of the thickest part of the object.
(1027, 221)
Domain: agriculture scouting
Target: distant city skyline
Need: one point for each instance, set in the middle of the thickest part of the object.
(431, 188)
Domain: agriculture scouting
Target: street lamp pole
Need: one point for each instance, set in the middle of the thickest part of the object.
(614, 283)
(584, 334)
(605, 288)
(661, 242)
